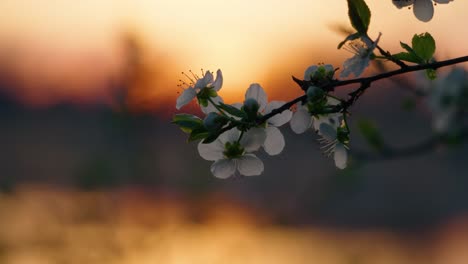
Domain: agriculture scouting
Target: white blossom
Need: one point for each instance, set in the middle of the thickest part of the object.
(333, 145)
(274, 142)
(196, 85)
(311, 72)
(302, 120)
(231, 154)
(422, 9)
(362, 49)
(446, 99)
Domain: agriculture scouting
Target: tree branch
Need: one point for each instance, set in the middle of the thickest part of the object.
(365, 84)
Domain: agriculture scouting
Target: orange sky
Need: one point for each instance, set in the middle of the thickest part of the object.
(74, 50)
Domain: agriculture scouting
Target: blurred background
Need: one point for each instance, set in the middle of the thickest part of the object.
(92, 171)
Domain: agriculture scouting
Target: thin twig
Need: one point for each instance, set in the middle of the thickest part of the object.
(365, 84)
(389, 57)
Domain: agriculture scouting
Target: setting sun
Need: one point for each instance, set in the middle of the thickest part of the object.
(78, 45)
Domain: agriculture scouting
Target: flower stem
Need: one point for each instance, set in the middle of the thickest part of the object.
(217, 107)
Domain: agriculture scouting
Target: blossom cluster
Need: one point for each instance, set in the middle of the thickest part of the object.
(230, 135)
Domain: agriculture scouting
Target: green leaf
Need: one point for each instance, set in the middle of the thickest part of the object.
(187, 122)
(232, 110)
(371, 134)
(413, 55)
(349, 38)
(203, 101)
(198, 133)
(431, 74)
(424, 46)
(407, 47)
(359, 14)
(210, 138)
(405, 56)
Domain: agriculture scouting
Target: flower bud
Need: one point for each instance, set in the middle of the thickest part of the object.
(214, 121)
(251, 107)
(314, 93)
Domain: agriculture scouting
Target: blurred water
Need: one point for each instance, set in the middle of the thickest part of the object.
(42, 224)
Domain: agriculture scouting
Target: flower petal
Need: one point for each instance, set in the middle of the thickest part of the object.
(328, 67)
(256, 92)
(355, 65)
(301, 120)
(218, 83)
(330, 119)
(423, 10)
(253, 139)
(250, 165)
(340, 156)
(274, 142)
(309, 72)
(205, 81)
(279, 119)
(211, 108)
(229, 136)
(186, 96)
(212, 151)
(327, 131)
(333, 101)
(402, 3)
(224, 168)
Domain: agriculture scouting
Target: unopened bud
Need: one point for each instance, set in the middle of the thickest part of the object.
(251, 107)
(214, 121)
(314, 93)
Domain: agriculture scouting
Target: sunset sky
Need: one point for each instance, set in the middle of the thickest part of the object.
(72, 51)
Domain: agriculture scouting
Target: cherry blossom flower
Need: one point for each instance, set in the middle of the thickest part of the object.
(231, 152)
(315, 72)
(302, 120)
(362, 49)
(447, 96)
(274, 142)
(206, 86)
(334, 142)
(422, 9)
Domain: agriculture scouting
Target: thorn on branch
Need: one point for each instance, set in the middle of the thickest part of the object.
(303, 84)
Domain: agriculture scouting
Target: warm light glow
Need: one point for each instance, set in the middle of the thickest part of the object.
(44, 225)
(71, 50)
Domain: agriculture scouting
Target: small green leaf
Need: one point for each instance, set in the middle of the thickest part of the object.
(431, 74)
(187, 122)
(198, 133)
(405, 56)
(210, 138)
(203, 101)
(349, 38)
(371, 134)
(424, 46)
(406, 47)
(359, 14)
(413, 55)
(212, 93)
(232, 110)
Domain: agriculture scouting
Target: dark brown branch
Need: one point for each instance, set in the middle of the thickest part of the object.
(389, 57)
(356, 94)
(365, 84)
